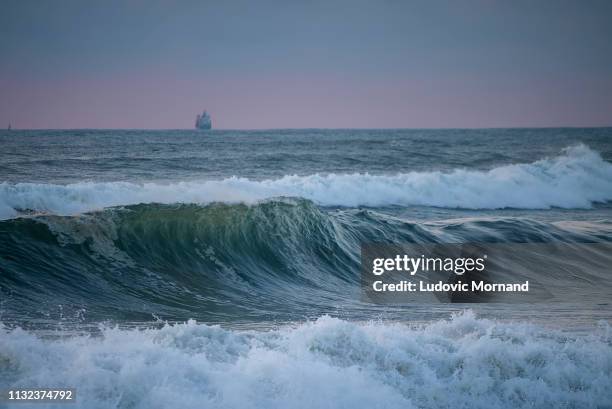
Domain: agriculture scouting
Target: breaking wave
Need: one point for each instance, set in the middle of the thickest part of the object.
(279, 259)
(577, 178)
(464, 362)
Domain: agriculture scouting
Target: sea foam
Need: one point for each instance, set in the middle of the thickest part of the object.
(577, 178)
(464, 362)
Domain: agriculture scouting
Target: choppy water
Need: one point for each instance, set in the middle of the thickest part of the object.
(259, 231)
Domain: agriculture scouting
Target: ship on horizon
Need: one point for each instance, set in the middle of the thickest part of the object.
(203, 121)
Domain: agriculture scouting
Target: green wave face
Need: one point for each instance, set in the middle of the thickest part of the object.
(278, 259)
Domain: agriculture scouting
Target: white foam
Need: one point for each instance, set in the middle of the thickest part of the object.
(462, 363)
(576, 179)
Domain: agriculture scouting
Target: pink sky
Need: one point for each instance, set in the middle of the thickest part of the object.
(296, 102)
(346, 64)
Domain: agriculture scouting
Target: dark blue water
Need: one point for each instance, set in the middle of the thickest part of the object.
(136, 155)
(267, 225)
(262, 230)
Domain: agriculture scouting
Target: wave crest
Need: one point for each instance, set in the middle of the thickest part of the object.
(577, 178)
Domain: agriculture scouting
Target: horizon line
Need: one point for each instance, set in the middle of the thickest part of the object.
(313, 128)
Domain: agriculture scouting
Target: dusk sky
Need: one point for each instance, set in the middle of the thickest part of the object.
(306, 64)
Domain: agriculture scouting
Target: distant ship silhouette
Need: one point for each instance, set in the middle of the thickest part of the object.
(203, 121)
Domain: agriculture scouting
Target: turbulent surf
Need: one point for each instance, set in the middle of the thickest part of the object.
(227, 274)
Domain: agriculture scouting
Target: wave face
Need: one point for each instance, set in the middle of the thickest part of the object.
(464, 362)
(177, 261)
(576, 179)
(279, 259)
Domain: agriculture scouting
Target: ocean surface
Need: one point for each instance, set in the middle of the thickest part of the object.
(220, 269)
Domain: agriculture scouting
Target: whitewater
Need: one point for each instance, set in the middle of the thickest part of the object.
(577, 178)
(463, 362)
